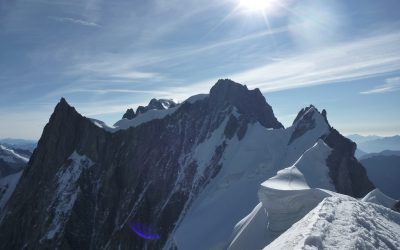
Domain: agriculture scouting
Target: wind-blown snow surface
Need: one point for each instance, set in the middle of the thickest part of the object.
(67, 191)
(248, 162)
(343, 223)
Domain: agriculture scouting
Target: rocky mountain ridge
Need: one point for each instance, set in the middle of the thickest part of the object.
(155, 173)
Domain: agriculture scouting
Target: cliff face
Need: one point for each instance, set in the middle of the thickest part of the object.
(347, 173)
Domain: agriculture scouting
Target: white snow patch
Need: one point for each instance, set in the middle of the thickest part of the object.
(196, 98)
(67, 191)
(343, 223)
(102, 125)
(376, 196)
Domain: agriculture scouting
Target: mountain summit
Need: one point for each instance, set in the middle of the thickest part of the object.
(183, 171)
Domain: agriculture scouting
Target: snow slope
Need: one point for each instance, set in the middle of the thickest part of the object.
(67, 192)
(377, 197)
(343, 223)
(309, 171)
(285, 199)
(7, 187)
(248, 162)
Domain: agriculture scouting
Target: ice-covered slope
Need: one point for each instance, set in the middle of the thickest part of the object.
(309, 171)
(377, 197)
(256, 157)
(284, 199)
(343, 223)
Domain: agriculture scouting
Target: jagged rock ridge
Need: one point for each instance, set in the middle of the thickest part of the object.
(159, 104)
(151, 173)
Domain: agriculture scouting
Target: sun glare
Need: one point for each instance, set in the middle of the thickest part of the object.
(257, 5)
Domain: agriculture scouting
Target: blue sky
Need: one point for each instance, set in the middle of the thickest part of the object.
(105, 56)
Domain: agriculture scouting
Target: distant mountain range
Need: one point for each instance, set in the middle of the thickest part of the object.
(375, 144)
(19, 143)
(383, 169)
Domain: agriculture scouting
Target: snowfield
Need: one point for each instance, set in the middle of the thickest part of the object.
(343, 223)
(247, 163)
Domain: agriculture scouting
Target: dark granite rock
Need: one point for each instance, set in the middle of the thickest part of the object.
(303, 122)
(396, 207)
(129, 114)
(159, 104)
(249, 102)
(348, 175)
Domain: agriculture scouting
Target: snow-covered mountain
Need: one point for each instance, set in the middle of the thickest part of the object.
(297, 210)
(19, 144)
(187, 172)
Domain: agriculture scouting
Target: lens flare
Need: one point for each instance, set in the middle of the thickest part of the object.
(145, 231)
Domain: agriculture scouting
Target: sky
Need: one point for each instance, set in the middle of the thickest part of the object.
(106, 56)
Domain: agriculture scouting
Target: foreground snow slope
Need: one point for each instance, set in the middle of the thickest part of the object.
(343, 223)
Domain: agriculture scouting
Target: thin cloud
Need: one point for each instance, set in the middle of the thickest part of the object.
(351, 61)
(107, 91)
(123, 66)
(74, 21)
(392, 84)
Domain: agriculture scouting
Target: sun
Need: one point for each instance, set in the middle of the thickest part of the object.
(257, 5)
